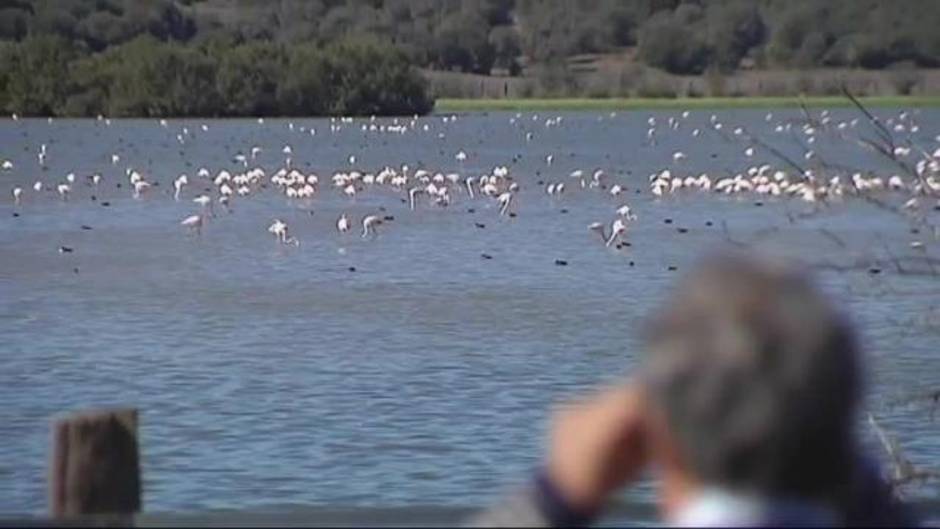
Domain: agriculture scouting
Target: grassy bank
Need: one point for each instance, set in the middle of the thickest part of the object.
(480, 105)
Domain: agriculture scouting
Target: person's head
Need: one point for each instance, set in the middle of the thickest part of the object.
(756, 378)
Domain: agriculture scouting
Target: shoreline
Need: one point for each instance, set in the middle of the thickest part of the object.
(458, 105)
(444, 105)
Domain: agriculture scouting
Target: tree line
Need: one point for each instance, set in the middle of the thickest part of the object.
(101, 43)
(692, 36)
(478, 35)
(48, 75)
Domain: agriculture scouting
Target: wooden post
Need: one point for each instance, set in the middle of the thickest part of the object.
(95, 467)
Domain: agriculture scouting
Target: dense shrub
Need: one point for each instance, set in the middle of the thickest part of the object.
(147, 77)
(665, 43)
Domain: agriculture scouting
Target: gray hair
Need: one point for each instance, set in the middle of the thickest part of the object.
(758, 378)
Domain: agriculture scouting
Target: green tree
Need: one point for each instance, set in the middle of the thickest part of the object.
(370, 79)
(247, 79)
(14, 23)
(304, 88)
(38, 80)
(462, 42)
(733, 30)
(506, 49)
(667, 44)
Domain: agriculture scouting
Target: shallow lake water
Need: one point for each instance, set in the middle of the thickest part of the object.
(404, 370)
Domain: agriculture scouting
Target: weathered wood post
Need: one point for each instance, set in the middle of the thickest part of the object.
(95, 466)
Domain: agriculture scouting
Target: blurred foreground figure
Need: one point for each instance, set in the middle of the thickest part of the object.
(744, 409)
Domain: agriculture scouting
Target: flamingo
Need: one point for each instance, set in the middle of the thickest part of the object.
(206, 202)
(505, 200)
(178, 186)
(139, 187)
(279, 229)
(193, 222)
(37, 186)
(7, 165)
(625, 212)
(599, 229)
(412, 193)
(616, 230)
(17, 191)
(368, 225)
(342, 223)
(64, 190)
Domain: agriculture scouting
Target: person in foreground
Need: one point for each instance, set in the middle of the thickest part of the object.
(744, 409)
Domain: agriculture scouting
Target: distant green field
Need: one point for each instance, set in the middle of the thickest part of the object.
(479, 105)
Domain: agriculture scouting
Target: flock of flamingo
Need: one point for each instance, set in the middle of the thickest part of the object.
(917, 178)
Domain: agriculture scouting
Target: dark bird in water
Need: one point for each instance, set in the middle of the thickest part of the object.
(479, 225)
(84, 227)
(65, 249)
(560, 262)
(486, 256)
